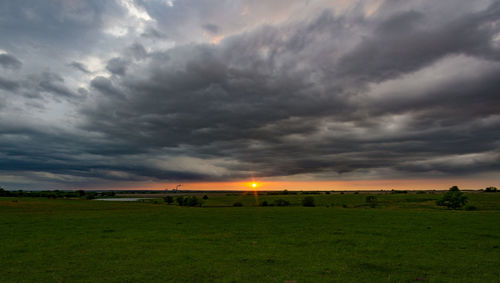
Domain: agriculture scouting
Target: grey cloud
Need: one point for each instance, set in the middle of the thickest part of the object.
(7, 84)
(10, 62)
(400, 46)
(233, 100)
(153, 33)
(117, 66)
(79, 66)
(211, 28)
(105, 86)
(138, 52)
(336, 96)
(53, 83)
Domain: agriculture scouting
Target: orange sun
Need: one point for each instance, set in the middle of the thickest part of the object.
(254, 185)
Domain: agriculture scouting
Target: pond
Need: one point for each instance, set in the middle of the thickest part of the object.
(122, 199)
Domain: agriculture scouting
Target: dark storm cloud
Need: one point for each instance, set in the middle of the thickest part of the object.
(10, 62)
(117, 66)
(7, 84)
(137, 51)
(399, 45)
(70, 24)
(54, 84)
(105, 86)
(403, 92)
(248, 99)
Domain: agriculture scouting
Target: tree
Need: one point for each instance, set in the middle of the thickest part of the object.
(308, 201)
(205, 197)
(491, 190)
(453, 199)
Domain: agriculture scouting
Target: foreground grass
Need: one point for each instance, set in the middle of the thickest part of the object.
(90, 241)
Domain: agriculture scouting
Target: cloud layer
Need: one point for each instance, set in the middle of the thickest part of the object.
(133, 92)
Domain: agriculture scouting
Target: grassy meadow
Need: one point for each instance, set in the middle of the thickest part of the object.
(403, 238)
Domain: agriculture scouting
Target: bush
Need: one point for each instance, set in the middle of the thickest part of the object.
(180, 200)
(192, 201)
(90, 196)
(205, 197)
(452, 199)
(308, 201)
(168, 199)
(237, 204)
(188, 201)
(264, 203)
(281, 202)
(491, 190)
(371, 201)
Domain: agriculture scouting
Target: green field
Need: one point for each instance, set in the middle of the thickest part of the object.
(405, 238)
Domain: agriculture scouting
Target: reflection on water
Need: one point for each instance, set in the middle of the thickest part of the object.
(122, 199)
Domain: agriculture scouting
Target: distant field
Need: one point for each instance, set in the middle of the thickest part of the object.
(405, 238)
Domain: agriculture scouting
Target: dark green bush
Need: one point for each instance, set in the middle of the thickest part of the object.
(88, 196)
(192, 201)
(264, 203)
(371, 201)
(180, 200)
(281, 202)
(453, 199)
(237, 204)
(168, 199)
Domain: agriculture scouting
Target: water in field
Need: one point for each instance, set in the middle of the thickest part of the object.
(121, 199)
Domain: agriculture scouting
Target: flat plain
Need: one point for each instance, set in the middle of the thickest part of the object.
(403, 238)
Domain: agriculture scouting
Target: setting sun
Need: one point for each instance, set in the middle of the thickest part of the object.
(254, 185)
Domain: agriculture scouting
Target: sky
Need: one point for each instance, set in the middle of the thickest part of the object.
(137, 94)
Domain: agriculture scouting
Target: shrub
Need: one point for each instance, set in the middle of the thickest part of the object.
(90, 196)
(452, 199)
(180, 200)
(371, 201)
(308, 201)
(168, 199)
(281, 202)
(264, 203)
(192, 201)
(205, 197)
(237, 204)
